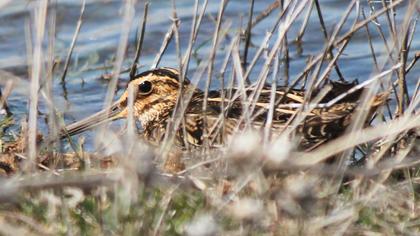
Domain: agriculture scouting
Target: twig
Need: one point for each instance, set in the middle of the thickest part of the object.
(49, 80)
(222, 88)
(266, 12)
(286, 56)
(40, 165)
(364, 84)
(344, 38)
(270, 113)
(372, 49)
(305, 23)
(43, 181)
(364, 22)
(5, 95)
(211, 66)
(203, 163)
(165, 203)
(73, 41)
(403, 55)
(193, 37)
(413, 62)
(40, 19)
(391, 22)
(401, 73)
(248, 36)
(264, 43)
(381, 32)
(121, 50)
(133, 69)
(324, 31)
(335, 57)
(375, 60)
(289, 19)
(166, 40)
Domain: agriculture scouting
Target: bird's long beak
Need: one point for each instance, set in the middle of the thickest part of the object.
(115, 112)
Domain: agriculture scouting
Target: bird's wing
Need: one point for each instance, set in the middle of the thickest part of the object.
(327, 123)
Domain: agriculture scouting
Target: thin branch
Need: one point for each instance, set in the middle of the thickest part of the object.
(324, 31)
(4, 95)
(39, 23)
(166, 41)
(73, 41)
(413, 62)
(133, 69)
(248, 36)
(266, 12)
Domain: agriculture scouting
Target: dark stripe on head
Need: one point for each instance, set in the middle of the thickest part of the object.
(169, 82)
(164, 71)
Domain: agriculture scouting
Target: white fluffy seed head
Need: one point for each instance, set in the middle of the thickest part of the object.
(279, 150)
(202, 225)
(247, 209)
(300, 185)
(245, 145)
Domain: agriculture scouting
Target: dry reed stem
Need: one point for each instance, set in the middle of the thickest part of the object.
(305, 23)
(51, 65)
(194, 33)
(315, 82)
(166, 41)
(368, 20)
(248, 36)
(333, 60)
(337, 42)
(212, 56)
(165, 203)
(139, 46)
(267, 12)
(128, 15)
(73, 41)
(283, 28)
(324, 31)
(45, 181)
(4, 94)
(270, 113)
(39, 24)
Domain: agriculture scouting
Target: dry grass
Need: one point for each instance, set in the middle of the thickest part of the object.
(252, 185)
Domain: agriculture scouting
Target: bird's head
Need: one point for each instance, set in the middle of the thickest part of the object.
(154, 95)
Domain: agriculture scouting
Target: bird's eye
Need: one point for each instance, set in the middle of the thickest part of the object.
(145, 87)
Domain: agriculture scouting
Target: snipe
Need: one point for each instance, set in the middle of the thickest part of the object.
(156, 94)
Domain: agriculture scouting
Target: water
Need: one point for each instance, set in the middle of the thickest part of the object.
(84, 90)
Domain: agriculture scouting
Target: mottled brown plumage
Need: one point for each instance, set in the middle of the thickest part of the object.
(156, 95)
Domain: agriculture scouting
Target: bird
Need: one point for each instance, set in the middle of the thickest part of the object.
(157, 93)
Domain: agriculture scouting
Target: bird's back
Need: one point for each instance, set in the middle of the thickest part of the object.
(227, 112)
